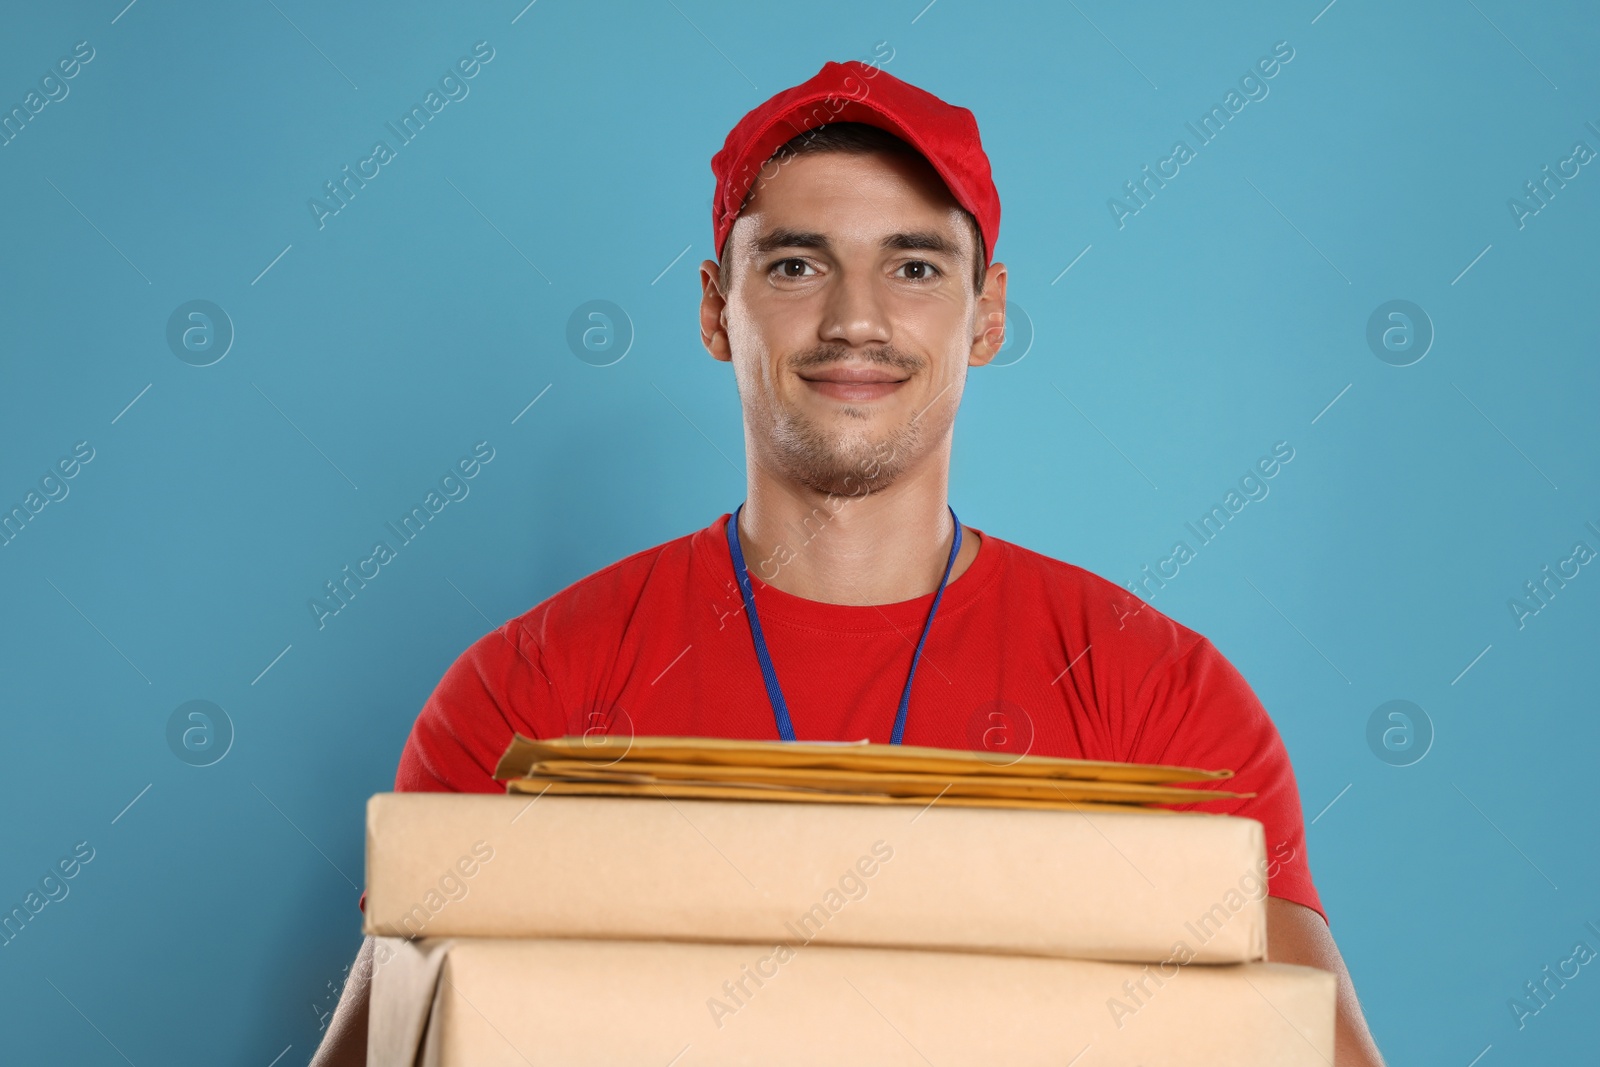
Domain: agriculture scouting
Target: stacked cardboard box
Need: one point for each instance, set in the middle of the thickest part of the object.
(683, 929)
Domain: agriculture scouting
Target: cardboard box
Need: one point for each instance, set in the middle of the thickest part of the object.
(491, 1002)
(1109, 885)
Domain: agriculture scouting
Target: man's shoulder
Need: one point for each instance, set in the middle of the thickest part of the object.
(1107, 611)
(605, 599)
(1033, 564)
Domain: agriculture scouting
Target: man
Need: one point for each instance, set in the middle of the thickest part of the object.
(855, 222)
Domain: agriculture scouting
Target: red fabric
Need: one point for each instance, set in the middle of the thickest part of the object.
(657, 644)
(946, 135)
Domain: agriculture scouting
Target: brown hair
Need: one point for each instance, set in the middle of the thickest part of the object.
(856, 138)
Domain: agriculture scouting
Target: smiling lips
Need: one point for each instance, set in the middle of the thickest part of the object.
(854, 383)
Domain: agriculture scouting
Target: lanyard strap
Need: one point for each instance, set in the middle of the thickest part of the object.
(780, 709)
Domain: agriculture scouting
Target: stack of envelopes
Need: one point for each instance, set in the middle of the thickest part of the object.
(694, 901)
(839, 772)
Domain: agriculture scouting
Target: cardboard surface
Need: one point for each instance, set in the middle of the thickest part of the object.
(515, 1002)
(1122, 885)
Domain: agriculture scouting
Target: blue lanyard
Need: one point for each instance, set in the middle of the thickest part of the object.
(780, 709)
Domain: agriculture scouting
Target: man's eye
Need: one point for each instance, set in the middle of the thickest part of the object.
(922, 270)
(782, 268)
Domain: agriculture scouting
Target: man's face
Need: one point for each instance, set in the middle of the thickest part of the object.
(851, 318)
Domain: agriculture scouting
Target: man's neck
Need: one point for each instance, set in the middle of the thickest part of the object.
(879, 549)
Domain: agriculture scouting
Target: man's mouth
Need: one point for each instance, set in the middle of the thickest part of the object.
(854, 383)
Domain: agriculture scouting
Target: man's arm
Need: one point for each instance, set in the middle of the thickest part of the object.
(1296, 934)
(345, 1044)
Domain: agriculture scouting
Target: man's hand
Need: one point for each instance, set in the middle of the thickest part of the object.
(345, 1044)
(1296, 934)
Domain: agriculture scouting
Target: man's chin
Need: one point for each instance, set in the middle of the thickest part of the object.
(869, 467)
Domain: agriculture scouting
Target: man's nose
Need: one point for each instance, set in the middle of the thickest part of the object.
(854, 312)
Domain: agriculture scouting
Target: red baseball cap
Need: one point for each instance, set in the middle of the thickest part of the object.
(946, 135)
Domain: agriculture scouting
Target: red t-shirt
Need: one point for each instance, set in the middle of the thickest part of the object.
(1026, 653)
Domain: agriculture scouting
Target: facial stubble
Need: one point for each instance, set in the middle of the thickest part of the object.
(851, 460)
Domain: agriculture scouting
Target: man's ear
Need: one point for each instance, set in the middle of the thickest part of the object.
(989, 317)
(713, 304)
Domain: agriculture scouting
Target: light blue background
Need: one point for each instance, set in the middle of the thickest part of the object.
(1225, 316)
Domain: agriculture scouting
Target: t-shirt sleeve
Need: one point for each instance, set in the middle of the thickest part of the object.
(496, 688)
(1200, 712)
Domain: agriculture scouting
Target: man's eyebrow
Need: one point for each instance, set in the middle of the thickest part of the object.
(783, 237)
(923, 241)
(916, 240)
